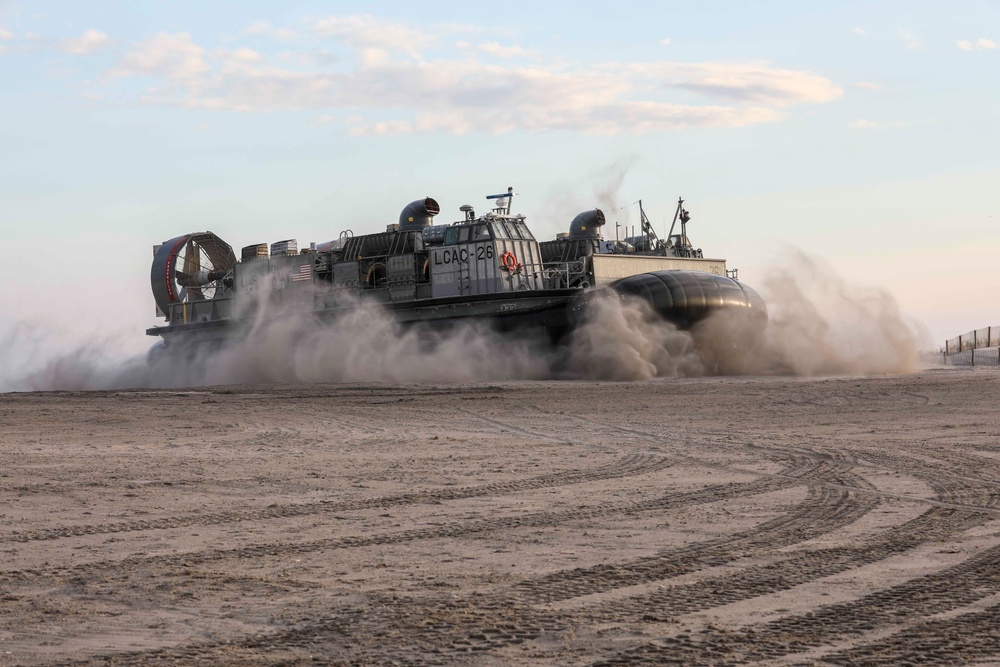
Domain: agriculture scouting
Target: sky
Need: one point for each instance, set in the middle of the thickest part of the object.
(863, 134)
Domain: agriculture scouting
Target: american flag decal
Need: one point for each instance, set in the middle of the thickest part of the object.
(305, 273)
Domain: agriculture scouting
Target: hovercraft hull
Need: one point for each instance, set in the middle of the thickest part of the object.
(486, 269)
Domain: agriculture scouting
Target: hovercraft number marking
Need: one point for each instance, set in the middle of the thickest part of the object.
(461, 255)
(452, 256)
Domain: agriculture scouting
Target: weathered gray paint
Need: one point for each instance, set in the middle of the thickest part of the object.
(609, 268)
(346, 275)
(273, 279)
(400, 273)
(206, 310)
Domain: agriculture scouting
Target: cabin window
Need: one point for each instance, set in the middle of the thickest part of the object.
(522, 231)
(451, 235)
(481, 233)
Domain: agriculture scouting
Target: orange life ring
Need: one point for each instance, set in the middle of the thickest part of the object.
(509, 261)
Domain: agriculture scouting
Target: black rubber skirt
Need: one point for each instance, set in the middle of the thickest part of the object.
(687, 297)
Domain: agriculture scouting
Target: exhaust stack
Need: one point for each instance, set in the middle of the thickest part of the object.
(418, 214)
(587, 225)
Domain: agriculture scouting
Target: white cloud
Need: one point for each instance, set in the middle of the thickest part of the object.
(665, 41)
(981, 44)
(910, 40)
(265, 29)
(459, 93)
(174, 56)
(234, 57)
(859, 31)
(756, 82)
(634, 117)
(868, 85)
(324, 57)
(89, 42)
(364, 31)
(6, 35)
(374, 57)
(500, 51)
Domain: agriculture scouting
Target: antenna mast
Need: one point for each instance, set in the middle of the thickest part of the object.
(684, 217)
(647, 228)
(504, 200)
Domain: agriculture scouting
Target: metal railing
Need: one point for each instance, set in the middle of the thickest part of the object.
(555, 274)
(981, 347)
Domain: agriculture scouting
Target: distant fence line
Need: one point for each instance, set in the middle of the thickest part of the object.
(981, 346)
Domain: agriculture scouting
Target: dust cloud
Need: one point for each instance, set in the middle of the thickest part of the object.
(820, 324)
(626, 340)
(367, 344)
(36, 356)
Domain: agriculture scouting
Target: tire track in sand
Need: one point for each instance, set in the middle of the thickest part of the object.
(938, 523)
(945, 591)
(449, 530)
(974, 636)
(826, 508)
(506, 618)
(629, 466)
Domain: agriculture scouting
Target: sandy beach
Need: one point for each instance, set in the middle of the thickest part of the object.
(834, 521)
